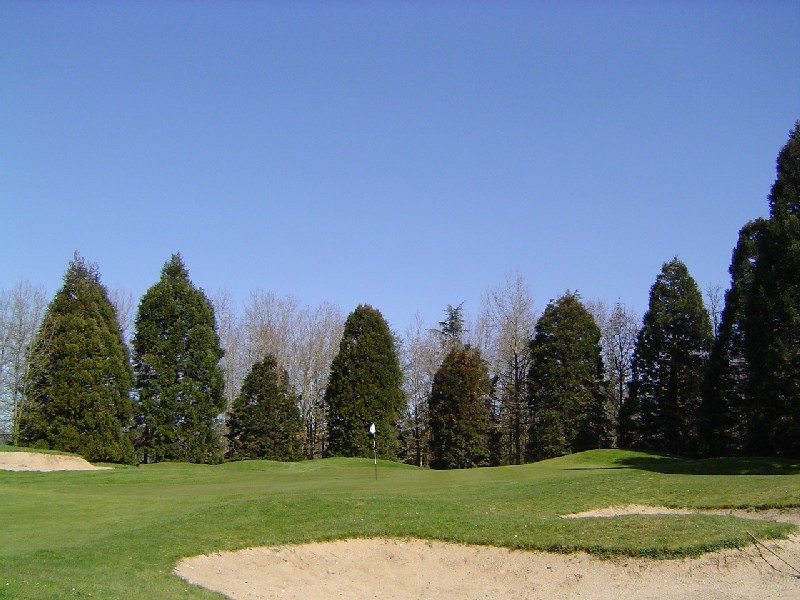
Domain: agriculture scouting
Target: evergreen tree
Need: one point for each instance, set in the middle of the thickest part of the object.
(264, 421)
(80, 377)
(772, 321)
(669, 364)
(458, 410)
(176, 360)
(727, 404)
(565, 382)
(452, 328)
(365, 386)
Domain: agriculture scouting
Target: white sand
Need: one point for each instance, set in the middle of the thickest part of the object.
(37, 461)
(419, 569)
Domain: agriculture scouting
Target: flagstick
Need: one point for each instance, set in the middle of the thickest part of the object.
(374, 434)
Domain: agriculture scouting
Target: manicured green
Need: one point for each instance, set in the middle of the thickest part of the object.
(119, 533)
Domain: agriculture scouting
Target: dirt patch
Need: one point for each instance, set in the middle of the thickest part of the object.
(37, 461)
(420, 569)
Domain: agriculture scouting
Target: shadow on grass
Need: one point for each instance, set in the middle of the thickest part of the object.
(674, 465)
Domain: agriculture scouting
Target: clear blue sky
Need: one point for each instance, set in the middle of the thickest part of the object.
(404, 154)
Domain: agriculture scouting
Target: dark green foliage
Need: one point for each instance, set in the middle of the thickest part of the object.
(772, 322)
(80, 376)
(752, 392)
(565, 382)
(726, 398)
(452, 328)
(264, 421)
(176, 360)
(365, 387)
(458, 410)
(784, 198)
(669, 365)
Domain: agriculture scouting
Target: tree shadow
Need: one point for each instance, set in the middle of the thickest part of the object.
(745, 465)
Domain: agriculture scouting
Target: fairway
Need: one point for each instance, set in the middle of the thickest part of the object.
(102, 534)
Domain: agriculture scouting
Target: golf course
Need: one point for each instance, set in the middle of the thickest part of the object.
(103, 533)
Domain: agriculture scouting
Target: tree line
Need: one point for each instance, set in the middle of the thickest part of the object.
(191, 379)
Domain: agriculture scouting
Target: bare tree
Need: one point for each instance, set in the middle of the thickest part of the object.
(125, 308)
(271, 327)
(21, 312)
(509, 319)
(619, 327)
(715, 302)
(231, 334)
(421, 355)
(304, 342)
(321, 332)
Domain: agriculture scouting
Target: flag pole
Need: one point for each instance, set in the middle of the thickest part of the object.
(374, 449)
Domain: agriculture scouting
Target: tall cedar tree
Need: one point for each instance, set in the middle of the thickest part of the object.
(458, 410)
(669, 364)
(772, 322)
(565, 382)
(727, 403)
(176, 361)
(264, 421)
(452, 329)
(80, 375)
(365, 386)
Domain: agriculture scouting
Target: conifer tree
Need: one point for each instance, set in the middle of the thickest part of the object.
(179, 381)
(772, 321)
(452, 329)
(669, 365)
(458, 410)
(565, 382)
(727, 403)
(365, 386)
(80, 377)
(264, 421)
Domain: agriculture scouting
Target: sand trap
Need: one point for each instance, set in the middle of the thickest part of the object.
(420, 569)
(36, 461)
(783, 516)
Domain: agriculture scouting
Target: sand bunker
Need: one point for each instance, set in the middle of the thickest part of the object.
(782, 516)
(37, 461)
(420, 569)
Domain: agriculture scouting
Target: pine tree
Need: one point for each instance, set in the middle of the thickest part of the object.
(772, 321)
(176, 360)
(669, 365)
(80, 377)
(458, 410)
(565, 382)
(365, 386)
(264, 421)
(727, 403)
(452, 329)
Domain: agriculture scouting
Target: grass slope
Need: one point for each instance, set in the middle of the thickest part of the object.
(103, 534)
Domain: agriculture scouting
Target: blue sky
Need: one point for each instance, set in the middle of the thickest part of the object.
(404, 154)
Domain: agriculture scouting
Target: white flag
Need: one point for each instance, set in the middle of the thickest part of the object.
(372, 429)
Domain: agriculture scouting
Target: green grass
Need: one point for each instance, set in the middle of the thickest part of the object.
(102, 534)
